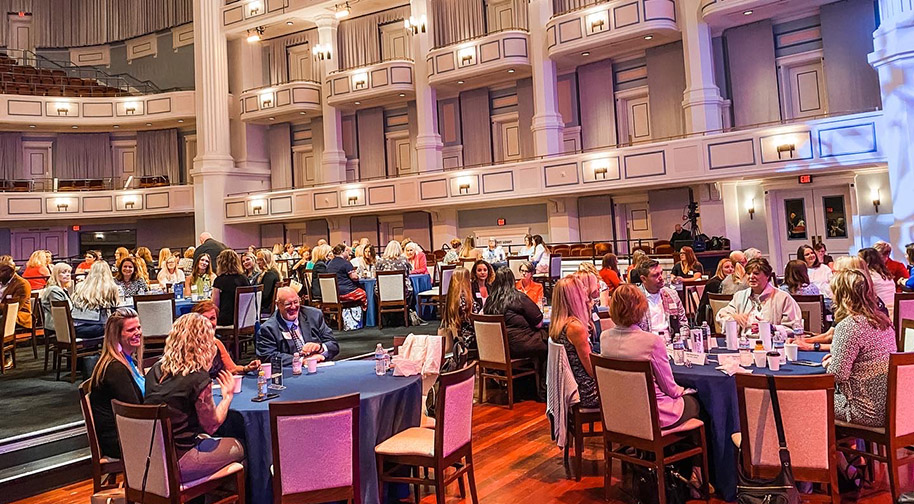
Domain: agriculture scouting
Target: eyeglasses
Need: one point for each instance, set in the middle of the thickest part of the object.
(524, 271)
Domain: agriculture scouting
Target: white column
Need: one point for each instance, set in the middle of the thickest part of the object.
(893, 58)
(213, 164)
(249, 141)
(701, 98)
(333, 159)
(564, 226)
(428, 141)
(547, 122)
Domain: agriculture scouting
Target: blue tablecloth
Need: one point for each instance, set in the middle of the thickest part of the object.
(387, 406)
(717, 395)
(371, 312)
(183, 307)
(422, 283)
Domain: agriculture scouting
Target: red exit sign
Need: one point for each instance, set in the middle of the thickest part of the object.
(805, 179)
(500, 222)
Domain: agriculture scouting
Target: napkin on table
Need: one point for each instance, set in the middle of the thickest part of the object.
(732, 368)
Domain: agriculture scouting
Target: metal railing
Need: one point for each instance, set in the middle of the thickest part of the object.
(58, 184)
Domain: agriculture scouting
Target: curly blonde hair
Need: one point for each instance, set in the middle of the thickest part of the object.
(189, 347)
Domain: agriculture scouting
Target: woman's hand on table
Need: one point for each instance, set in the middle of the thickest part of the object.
(741, 318)
(689, 391)
(253, 366)
(802, 344)
(826, 359)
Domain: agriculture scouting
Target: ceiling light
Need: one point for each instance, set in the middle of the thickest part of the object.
(148, 124)
(747, 13)
(585, 53)
(648, 37)
(402, 95)
(510, 70)
(180, 120)
(358, 103)
(460, 82)
(272, 118)
(116, 126)
(342, 10)
(75, 127)
(31, 125)
(289, 23)
(301, 113)
(255, 34)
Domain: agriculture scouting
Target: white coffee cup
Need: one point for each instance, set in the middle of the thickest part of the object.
(774, 362)
(238, 379)
(312, 364)
(759, 356)
(791, 349)
(267, 369)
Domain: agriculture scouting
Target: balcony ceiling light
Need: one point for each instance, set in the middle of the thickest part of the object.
(31, 125)
(289, 23)
(272, 118)
(74, 127)
(180, 120)
(255, 34)
(648, 37)
(402, 95)
(301, 113)
(116, 126)
(585, 53)
(148, 124)
(460, 82)
(510, 70)
(358, 103)
(747, 12)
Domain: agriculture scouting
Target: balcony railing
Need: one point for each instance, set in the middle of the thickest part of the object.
(105, 202)
(489, 59)
(372, 85)
(282, 102)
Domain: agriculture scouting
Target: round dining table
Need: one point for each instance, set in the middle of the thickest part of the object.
(717, 395)
(387, 405)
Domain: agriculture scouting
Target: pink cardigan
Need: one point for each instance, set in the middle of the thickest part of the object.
(420, 266)
(631, 343)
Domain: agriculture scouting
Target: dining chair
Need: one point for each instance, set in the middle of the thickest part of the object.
(437, 295)
(9, 336)
(717, 303)
(808, 414)
(628, 408)
(104, 469)
(245, 319)
(468, 264)
(813, 310)
(331, 304)
(897, 432)
(66, 341)
(157, 313)
(33, 333)
(514, 264)
(906, 335)
(326, 467)
(392, 295)
(448, 444)
(904, 309)
(142, 429)
(495, 360)
(577, 417)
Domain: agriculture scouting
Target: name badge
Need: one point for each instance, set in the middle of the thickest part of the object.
(697, 359)
(286, 335)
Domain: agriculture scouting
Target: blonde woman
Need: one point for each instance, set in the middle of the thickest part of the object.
(469, 250)
(120, 253)
(249, 265)
(57, 289)
(180, 380)
(602, 289)
(186, 262)
(269, 277)
(321, 256)
(169, 272)
(142, 270)
(357, 254)
(93, 300)
(201, 273)
(36, 270)
(394, 260)
(230, 277)
(571, 327)
(631, 273)
(164, 254)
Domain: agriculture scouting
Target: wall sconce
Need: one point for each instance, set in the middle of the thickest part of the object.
(789, 148)
(130, 107)
(63, 108)
(360, 80)
(464, 189)
(467, 56)
(257, 207)
(342, 10)
(255, 34)
(266, 99)
(254, 8)
(352, 200)
(321, 52)
(62, 204)
(597, 22)
(750, 207)
(413, 26)
(130, 202)
(874, 193)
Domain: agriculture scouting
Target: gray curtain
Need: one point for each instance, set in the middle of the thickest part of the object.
(359, 39)
(83, 156)
(157, 154)
(476, 127)
(666, 81)
(847, 37)
(372, 152)
(10, 156)
(279, 60)
(598, 108)
(753, 74)
(74, 23)
(562, 6)
(456, 20)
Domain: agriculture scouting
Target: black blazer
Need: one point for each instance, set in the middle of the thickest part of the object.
(117, 383)
(271, 342)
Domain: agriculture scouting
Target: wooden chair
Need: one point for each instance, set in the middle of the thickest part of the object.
(436, 295)
(514, 264)
(664, 247)
(691, 292)
(324, 469)
(813, 310)
(9, 336)
(904, 309)
(467, 264)
(495, 355)
(36, 330)
(392, 295)
(906, 335)
(555, 272)
(66, 340)
(157, 314)
(578, 418)
(448, 444)
(104, 469)
(136, 426)
(808, 414)
(628, 408)
(245, 320)
(601, 249)
(898, 431)
(717, 303)
(331, 304)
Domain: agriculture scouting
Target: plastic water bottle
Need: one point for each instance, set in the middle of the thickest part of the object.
(678, 351)
(798, 328)
(261, 384)
(706, 330)
(296, 364)
(381, 360)
(779, 348)
(207, 288)
(745, 352)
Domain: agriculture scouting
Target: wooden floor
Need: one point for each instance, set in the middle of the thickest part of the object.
(517, 462)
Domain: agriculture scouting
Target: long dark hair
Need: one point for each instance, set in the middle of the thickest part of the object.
(875, 261)
(801, 255)
(796, 275)
(502, 293)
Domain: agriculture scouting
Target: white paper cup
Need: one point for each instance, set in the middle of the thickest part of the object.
(267, 369)
(238, 379)
(791, 349)
(745, 359)
(731, 329)
(774, 362)
(759, 356)
(312, 364)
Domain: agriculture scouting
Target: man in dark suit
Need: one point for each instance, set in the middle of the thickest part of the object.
(295, 329)
(208, 245)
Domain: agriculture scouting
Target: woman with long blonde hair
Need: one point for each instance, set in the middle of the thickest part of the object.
(571, 326)
(164, 254)
(269, 277)
(117, 375)
(458, 306)
(145, 254)
(469, 250)
(321, 256)
(58, 289)
(631, 273)
(36, 270)
(180, 380)
(93, 300)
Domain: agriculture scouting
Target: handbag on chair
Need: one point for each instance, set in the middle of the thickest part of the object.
(782, 489)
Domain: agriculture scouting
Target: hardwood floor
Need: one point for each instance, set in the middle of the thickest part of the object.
(517, 462)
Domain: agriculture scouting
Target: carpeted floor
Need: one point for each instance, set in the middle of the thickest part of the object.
(32, 399)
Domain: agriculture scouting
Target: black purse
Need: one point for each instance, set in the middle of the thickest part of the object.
(781, 489)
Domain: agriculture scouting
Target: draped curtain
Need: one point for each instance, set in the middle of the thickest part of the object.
(83, 156)
(157, 154)
(562, 6)
(10, 155)
(456, 20)
(279, 59)
(74, 23)
(359, 39)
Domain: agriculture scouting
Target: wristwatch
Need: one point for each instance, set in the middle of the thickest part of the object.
(817, 346)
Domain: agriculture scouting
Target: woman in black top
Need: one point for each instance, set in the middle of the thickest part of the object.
(725, 268)
(116, 376)
(482, 275)
(688, 266)
(268, 278)
(321, 256)
(180, 380)
(230, 277)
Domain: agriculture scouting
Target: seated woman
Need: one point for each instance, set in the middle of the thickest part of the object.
(627, 341)
(523, 319)
(458, 306)
(540, 257)
(222, 360)
(634, 266)
(483, 276)
(169, 272)
(346, 277)
(571, 326)
(859, 355)
(117, 376)
(761, 301)
(883, 282)
(688, 266)
(186, 263)
(120, 253)
(200, 277)
(453, 252)
(394, 260)
(368, 267)
(595, 284)
(321, 255)
(819, 274)
(269, 278)
(180, 380)
(526, 284)
(494, 254)
(724, 269)
(128, 279)
(416, 257)
(57, 289)
(90, 257)
(249, 267)
(609, 273)
(229, 278)
(36, 270)
(528, 248)
(93, 300)
(469, 251)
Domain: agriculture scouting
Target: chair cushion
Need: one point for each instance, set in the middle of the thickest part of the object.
(848, 425)
(688, 425)
(412, 441)
(109, 496)
(221, 473)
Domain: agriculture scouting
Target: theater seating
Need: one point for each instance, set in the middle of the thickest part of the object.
(26, 80)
